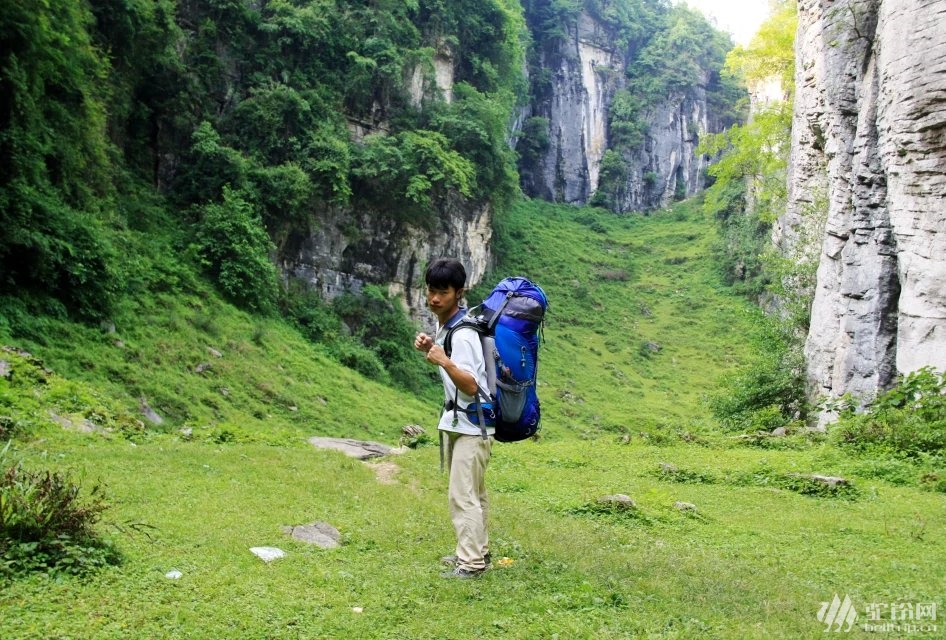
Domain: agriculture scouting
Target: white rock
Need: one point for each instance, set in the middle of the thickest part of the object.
(174, 574)
(267, 554)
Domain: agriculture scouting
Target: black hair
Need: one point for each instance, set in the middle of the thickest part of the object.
(445, 272)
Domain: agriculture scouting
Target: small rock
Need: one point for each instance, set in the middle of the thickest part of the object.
(666, 467)
(618, 502)
(357, 609)
(224, 391)
(684, 506)
(267, 554)
(353, 448)
(413, 430)
(88, 426)
(648, 347)
(62, 421)
(187, 433)
(5, 369)
(203, 366)
(831, 481)
(214, 352)
(321, 534)
(293, 408)
(780, 432)
(174, 574)
(149, 413)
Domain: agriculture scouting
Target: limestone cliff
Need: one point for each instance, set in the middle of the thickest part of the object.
(347, 249)
(350, 249)
(585, 70)
(869, 131)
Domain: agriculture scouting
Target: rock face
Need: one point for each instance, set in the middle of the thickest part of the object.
(869, 132)
(334, 260)
(586, 70)
(576, 105)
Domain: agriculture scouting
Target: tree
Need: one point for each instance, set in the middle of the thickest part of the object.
(55, 176)
(749, 189)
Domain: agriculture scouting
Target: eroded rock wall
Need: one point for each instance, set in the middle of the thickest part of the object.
(349, 250)
(869, 133)
(585, 70)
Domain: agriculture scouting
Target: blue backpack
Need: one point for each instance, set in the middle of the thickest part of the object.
(508, 321)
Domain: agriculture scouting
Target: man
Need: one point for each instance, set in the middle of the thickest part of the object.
(467, 450)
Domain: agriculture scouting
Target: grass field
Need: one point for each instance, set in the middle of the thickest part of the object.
(640, 332)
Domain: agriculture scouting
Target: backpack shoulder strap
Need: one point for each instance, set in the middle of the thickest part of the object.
(463, 323)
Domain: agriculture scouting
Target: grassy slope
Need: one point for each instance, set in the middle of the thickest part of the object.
(617, 284)
(755, 562)
(199, 363)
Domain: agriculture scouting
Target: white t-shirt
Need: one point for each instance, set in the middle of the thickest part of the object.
(467, 354)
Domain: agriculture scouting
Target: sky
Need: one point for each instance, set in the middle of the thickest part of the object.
(741, 18)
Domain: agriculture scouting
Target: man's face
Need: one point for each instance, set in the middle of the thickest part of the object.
(443, 300)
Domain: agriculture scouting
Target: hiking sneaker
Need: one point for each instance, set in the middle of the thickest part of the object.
(451, 561)
(463, 574)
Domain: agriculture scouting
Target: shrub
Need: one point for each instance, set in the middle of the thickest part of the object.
(812, 486)
(763, 397)
(235, 249)
(44, 526)
(406, 173)
(386, 333)
(908, 420)
(314, 318)
(933, 482)
(897, 472)
(356, 356)
(671, 473)
(534, 139)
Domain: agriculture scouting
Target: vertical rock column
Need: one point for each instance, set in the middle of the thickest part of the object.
(912, 126)
(834, 133)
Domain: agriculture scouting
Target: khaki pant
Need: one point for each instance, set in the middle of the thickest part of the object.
(467, 459)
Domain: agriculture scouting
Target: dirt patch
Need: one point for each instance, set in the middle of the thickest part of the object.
(385, 472)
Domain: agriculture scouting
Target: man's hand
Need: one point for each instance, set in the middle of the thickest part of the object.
(465, 381)
(436, 355)
(423, 342)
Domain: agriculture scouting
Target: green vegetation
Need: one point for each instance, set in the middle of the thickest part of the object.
(622, 288)
(235, 109)
(54, 165)
(747, 194)
(729, 536)
(748, 191)
(907, 422)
